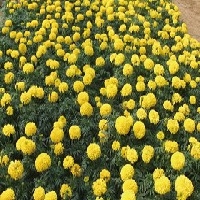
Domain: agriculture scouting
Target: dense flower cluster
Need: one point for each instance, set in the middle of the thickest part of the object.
(98, 100)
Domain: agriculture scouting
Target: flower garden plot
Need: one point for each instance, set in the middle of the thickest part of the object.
(99, 100)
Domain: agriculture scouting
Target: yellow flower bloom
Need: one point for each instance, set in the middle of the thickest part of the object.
(147, 153)
(57, 135)
(128, 195)
(53, 97)
(99, 187)
(189, 125)
(78, 86)
(86, 109)
(74, 132)
(42, 162)
(183, 187)
(65, 191)
(127, 172)
(8, 194)
(93, 151)
(116, 145)
(158, 173)
(139, 129)
(130, 184)
(126, 90)
(105, 175)
(16, 169)
(162, 185)
(76, 170)
(39, 193)
(131, 155)
(68, 162)
(51, 196)
(153, 116)
(8, 130)
(172, 126)
(82, 98)
(30, 129)
(122, 125)
(171, 146)
(105, 109)
(58, 149)
(177, 160)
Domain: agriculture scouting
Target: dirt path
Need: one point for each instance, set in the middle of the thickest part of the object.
(190, 14)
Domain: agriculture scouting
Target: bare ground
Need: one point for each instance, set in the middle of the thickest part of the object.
(190, 14)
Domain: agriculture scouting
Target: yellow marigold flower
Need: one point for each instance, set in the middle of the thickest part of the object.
(139, 129)
(147, 153)
(8, 65)
(39, 193)
(87, 79)
(22, 48)
(127, 172)
(42, 162)
(105, 109)
(65, 191)
(177, 160)
(30, 129)
(8, 23)
(122, 125)
(27, 146)
(153, 116)
(74, 132)
(140, 86)
(82, 98)
(8, 130)
(193, 100)
(171, 146)
(126, 90)
(88, 50)
(148, 101)
(141, 114)
(116, 145)
(105, 175)
(28, 68)
(172, 126)
(183, 187)
(103, 124)
(86, 109)
(76, 170)
(25, 97)
(99, 187)
(168, 105)
(119, 59)
(57, 135)
(63, 87)
(195, 150)
(9, 110)
(128, 195)
(160, 81)
(78, 86)
(127, 70)
(130, 184)
(16, 169)
(131, 155)
(149, 64)
(51, 196)
(68, 162)
(4, 160)
(160, 135)
(130, 104)
(162, 185)
(118, 44)
(53, 97)
(158, 173)
(151, 84)
(100, 61)
(8, 78)
(158, 69)
(93, 151)
(58, 149)
(176, 98)
(189, 125)
(111, 90)
(8, 194)
(173, 66)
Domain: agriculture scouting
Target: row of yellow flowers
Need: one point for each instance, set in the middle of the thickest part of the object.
(98, 100)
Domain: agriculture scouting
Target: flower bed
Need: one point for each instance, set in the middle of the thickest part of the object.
(99, 100)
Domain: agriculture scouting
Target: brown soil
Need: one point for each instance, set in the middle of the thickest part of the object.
(190, 14)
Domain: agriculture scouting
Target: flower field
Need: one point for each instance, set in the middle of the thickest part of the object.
(99, 99)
